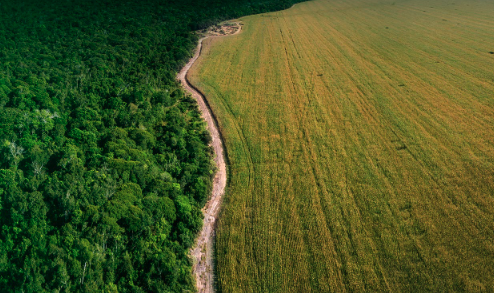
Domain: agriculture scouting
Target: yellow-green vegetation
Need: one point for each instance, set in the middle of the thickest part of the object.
(360, 137)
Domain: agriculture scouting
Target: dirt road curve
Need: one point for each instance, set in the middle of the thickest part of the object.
(202, 252)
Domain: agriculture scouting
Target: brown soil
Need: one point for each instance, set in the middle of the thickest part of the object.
(202, 251)
(223, 29)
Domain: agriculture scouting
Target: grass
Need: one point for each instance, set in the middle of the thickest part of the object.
(360, 137)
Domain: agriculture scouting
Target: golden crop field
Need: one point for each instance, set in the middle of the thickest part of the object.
(360, 139)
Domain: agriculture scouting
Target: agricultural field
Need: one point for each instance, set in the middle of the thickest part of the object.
(360, 141)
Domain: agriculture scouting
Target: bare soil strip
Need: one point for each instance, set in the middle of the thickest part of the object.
(202, 252)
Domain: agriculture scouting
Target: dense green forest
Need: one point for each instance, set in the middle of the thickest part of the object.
(104, 161)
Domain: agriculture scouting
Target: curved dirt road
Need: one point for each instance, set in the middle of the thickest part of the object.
(202, 252)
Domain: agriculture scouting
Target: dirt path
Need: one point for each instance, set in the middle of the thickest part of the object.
(202, 252)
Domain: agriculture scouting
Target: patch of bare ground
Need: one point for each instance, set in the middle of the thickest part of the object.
(202, 252)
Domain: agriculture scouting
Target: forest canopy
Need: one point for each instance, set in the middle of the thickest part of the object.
(104, 161)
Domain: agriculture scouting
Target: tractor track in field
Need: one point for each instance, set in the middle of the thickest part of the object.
(202, 251)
